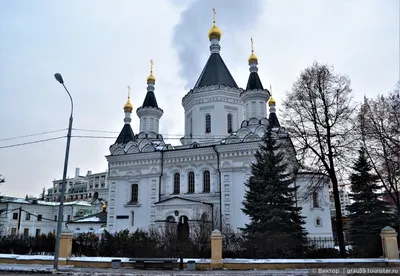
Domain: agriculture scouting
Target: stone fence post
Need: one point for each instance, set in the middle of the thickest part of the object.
(216, 250)
(65, 243)
(389, 243)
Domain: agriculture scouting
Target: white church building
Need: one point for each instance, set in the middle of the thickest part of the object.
(154, 184)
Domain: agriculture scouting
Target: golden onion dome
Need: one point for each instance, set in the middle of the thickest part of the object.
(151, 78)
(253, 57)
(271, 100)
(215, 32)
(128, 107)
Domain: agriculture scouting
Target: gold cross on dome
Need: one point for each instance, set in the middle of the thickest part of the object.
(270, 88)
(214, 14)
(151, 66)
(129, 91)
(252, 48)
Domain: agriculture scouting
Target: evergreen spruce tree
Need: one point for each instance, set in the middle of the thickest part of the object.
(367, 214)
(270, 200)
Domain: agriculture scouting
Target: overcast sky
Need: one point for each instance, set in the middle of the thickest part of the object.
(101, 47)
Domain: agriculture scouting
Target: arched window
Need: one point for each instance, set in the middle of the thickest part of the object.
(318, 222)
(191, 127)
(171, 224)
(191, 183)
(315, 200)
(134, 193)
(204, 218)
(208, 123)
(206, 182)
(177, 183)
(229, 122)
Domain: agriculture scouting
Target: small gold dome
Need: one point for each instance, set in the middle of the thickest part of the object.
(151, 78)
(215, 32)
(271, 100)
(253, 57)
(128, 107)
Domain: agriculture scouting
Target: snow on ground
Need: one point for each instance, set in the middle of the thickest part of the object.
(185, 260)
(308, 261)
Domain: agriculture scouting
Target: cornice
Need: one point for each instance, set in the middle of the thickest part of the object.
(211, 96)
(255, 95)
(136, 158)
(150, 111)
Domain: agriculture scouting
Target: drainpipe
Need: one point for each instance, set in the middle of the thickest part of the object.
(220, 188)
(161, 174)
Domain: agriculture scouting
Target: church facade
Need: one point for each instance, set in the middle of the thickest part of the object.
(154, 184)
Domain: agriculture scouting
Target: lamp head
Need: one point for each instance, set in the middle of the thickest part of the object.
(59, 78)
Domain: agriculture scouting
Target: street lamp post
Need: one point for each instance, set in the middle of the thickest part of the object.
(61, 206)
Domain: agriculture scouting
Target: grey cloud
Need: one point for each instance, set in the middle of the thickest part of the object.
(190, 35)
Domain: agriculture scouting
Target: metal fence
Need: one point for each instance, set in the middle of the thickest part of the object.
(264, 246)
(139, 245)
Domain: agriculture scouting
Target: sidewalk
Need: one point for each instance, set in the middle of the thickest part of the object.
(18, 269)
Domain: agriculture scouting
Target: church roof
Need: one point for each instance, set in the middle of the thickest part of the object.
(126, 135)
(150, 100)
(273, 120)
(95, 218)
(215, 73)
(254, 82)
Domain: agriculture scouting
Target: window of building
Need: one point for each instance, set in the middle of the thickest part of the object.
(38, 232)
(315, 200)
(177, 183)
(55, 218)
(27, 216)
(26, 232)
(191, 127)
(13, 231)
(151, 123)
(134, 193)
(144, 123)
(39, 218)
(15, 215)
(69, 218)
(229, 122)
(318, 222)
(133, 218)
(206, 181)
(90, 195)
(208, 123)
(191, 183)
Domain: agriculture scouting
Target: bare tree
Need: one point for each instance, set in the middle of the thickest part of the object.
(318, 114)
(2, 180)
(380, 130)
